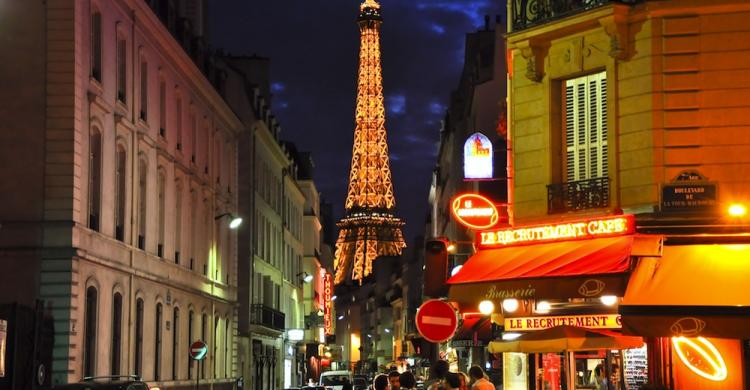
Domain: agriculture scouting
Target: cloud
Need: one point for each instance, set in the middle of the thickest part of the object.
(277, 87)
(474, 9)
(437, 108)
(396, 104)
(437, 28)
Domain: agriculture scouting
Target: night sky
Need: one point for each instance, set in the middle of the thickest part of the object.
(313, 46)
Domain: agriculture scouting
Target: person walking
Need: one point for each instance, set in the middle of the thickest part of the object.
(453, 381)
(393, 380)
(380, 382)
(438, 372)
(479, 379)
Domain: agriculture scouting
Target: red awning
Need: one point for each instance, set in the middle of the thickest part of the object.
(582, 269)
(570, 258)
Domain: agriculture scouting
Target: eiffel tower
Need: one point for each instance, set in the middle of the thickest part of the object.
(369, 229)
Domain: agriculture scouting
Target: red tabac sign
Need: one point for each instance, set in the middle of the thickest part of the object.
(436, 321)
(608, 226)
(474, 211)
(328, 304)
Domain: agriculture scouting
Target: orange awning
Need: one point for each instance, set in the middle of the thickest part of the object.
(691, 290)
(586, 268)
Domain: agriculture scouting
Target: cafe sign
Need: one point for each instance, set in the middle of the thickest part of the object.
(590, 321)
(474, 211)
(566, 231)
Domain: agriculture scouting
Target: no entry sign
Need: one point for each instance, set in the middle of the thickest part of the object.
(198, 350)
(436, 321)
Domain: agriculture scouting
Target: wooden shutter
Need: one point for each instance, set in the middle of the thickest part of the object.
(586, 127)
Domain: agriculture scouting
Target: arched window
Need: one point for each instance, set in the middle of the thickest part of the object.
(139, 337)
(216, 346)
(96, 45)
(142, 202)
(193, 137)
(189, 341)
(178, 223)
(116, 333)
(227, 371)
(157, 342)
(193, 228)
(89, 337)
(204, 333)
(162, 212)
(95, 178)
(175, 341)
(120, 194)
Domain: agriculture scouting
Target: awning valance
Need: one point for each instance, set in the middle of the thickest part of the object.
(566, 338)
(692, 290)
(587, 268)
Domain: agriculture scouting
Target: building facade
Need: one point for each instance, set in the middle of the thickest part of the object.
(124, 162)
(626, 118)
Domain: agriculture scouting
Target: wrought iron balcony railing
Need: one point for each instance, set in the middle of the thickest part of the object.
(529, 13)
(265, 316)
(578, 195)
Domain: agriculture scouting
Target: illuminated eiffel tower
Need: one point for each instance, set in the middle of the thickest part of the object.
(369, 229)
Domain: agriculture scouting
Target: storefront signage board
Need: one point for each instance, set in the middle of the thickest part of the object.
(689, 191)
(609, 226)
(478, 157)
(328, 304)
(590, 321)
(474, 211)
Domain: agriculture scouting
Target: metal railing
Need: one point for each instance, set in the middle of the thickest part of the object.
(529, 13)
(578, 195)
(263, 315)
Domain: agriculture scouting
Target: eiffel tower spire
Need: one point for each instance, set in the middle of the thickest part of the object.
(369, 229)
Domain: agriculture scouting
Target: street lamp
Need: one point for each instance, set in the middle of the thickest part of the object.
(234, 222)
(307, 278)
(486, 307)
(737, 210)
(510, 305)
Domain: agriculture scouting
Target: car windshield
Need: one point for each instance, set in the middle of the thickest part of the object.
(335, 380)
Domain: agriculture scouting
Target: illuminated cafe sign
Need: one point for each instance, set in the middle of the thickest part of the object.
(328, 304)
(589, 321)
(478, 157)
(566, 231)
(474, 211)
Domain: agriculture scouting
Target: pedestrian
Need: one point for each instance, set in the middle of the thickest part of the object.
(393, 380)
(479, 379)
(452, 381)
(380, 382)
(437, 375)
(407, 381)
(464, 379)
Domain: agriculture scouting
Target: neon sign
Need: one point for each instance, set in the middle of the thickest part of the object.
(478, 157)
(474, 211)
(328, 304)
(590, 321)
(701, 357)
(574, 230)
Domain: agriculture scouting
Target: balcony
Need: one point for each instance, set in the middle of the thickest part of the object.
(265, 316)
(578, 195)
(530, 13)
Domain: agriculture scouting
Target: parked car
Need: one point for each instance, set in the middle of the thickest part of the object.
(117, 382)
(360, 382)
(335, 379)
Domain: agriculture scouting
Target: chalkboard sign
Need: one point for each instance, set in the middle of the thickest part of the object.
(636, 367)
(689, 191)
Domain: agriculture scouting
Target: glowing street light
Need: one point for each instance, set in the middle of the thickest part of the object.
(510, 305)
(737, 210)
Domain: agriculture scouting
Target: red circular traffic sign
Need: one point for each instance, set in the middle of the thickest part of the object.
(436, 321)
(198, 350)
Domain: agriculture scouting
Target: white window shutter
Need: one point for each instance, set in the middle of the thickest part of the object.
(586, 127)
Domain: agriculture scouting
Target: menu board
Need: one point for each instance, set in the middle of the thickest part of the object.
(636, 367)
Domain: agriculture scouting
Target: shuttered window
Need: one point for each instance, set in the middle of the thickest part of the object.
(586, 127)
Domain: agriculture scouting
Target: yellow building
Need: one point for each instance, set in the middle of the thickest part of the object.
(627, 120)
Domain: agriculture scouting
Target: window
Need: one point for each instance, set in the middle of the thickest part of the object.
(162, 108)
(144, 90)
(116, 333)
(95, 178)
(189, 342)
(204, 332)
(162, 213)
(216, 346)
(193, 137)
(227, 372)
(157, 342)
(193, 228)
(96, 45)
(178, 123)
(175, 341)
(122, 75)
(120, 194)
(586, 127)
(139, 337)
(142, 203)
(178, 222)
(89, 338)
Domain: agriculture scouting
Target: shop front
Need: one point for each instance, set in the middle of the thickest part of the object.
(553, 291)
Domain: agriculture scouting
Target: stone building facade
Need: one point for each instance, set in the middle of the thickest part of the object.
(119, 171)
